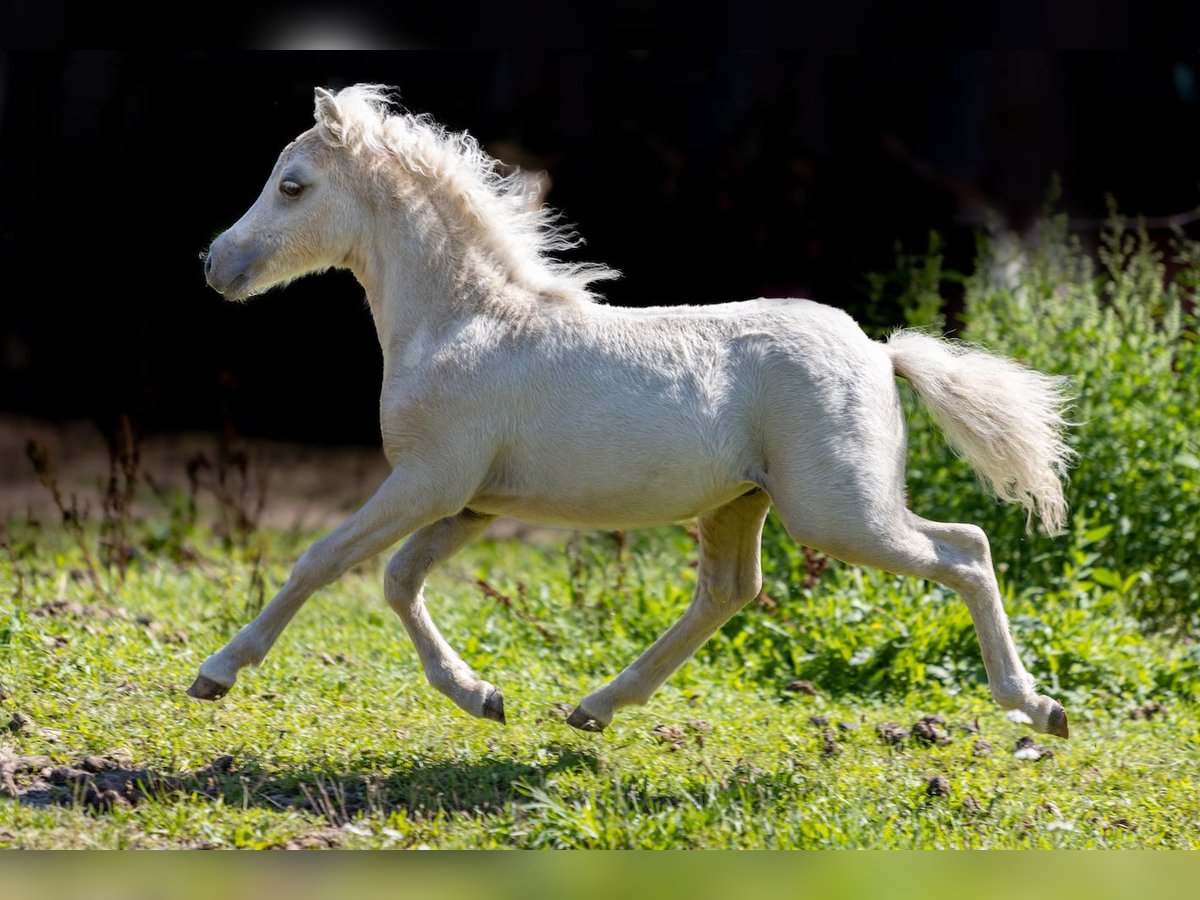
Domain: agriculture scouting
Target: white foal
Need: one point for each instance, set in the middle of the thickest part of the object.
(507, 391)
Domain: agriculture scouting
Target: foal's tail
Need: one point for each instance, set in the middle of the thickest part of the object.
(1004, 418)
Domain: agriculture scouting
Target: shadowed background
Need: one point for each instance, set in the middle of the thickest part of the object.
(703, 177)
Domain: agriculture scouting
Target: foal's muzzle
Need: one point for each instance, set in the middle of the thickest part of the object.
(227, 267)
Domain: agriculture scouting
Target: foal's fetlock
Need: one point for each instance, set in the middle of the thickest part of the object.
(1041, 713)
(481, 699)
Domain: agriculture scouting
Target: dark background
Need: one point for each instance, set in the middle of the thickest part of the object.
(704, 177)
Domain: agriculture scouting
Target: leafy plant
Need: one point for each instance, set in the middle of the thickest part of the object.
(1085, 606)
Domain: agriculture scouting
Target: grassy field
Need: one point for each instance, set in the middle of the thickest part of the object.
(843, 708)
(337, 741)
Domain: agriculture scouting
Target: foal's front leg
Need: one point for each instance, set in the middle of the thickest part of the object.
(407, 499)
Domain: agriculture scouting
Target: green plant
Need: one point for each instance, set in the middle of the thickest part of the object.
(1126, 332)
(1110, 607)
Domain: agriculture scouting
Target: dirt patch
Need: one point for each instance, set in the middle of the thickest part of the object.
(937, 786)
(1027, 749)
(98, 783)
(669, 734)
(981, 748)
(829, 743)
(73, 609)
(22, 723)
(930, 731)
(339, 659)
(1147, 711)
(12, 765)
(892, 733)
(802, 687)
(95, 782)
(320, 839)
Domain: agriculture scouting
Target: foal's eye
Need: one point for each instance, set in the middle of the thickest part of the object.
(291, 189)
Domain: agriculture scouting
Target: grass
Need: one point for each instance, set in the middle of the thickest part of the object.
(337, 740)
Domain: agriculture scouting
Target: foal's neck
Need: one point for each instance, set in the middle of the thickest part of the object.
(421, 275)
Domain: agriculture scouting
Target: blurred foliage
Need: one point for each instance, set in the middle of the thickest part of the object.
(1125, 330)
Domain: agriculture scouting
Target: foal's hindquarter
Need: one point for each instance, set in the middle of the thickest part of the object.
(602, 417)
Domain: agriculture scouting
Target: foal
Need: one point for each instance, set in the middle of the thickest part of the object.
(507, 391)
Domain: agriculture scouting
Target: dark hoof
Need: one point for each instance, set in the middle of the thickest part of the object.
(493, 707)
(207, 689)
(581, 720)
(1058, 722)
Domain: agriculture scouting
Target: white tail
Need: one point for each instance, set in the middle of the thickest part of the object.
(1004, 418)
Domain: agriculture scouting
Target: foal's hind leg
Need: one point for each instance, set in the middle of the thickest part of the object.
(730, 576)
(957, 556)
(403, 587)
(962, 561)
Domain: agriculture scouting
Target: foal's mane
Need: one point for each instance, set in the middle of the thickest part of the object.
(494, 205)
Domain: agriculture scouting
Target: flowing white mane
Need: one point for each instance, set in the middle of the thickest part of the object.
(495, 205)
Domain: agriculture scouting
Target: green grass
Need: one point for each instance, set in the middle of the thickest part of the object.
(360, 740)
(338, 740)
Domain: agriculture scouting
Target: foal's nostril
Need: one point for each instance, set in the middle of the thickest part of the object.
(207, 264)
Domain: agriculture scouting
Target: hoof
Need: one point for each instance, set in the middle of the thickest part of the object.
(207, 689)
(581, 720)
(1058, 722)
(493, 707)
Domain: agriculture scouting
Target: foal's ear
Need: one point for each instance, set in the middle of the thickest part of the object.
(328, 115)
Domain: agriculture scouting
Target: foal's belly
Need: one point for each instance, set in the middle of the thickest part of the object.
(615, 508)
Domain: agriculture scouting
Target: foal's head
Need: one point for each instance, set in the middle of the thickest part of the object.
(322, 204)
(308, 218)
